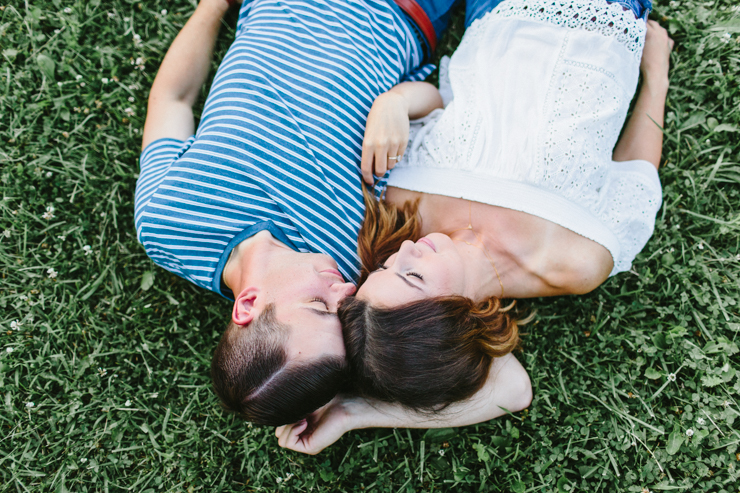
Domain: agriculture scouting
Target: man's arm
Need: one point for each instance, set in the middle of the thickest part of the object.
(387, 128)
(181, 75)
(507, 389)
(642, 138)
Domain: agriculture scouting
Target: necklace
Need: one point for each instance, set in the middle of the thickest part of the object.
(483, 248)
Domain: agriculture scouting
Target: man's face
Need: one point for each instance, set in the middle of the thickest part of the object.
(306, 289)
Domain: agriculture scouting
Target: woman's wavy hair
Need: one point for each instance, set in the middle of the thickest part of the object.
(426, 354)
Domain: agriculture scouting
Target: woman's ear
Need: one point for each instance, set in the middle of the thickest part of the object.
(243, 312)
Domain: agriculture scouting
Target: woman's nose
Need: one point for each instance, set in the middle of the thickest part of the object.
(408, 249)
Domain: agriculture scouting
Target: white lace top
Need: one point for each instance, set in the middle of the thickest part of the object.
(540, 92)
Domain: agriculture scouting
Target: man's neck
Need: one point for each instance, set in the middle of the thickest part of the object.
(248, 260)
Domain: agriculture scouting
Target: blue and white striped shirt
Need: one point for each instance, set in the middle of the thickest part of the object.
(280, 138)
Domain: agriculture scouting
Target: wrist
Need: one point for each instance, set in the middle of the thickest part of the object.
(656, 84)
(215, 7)
(397, 98)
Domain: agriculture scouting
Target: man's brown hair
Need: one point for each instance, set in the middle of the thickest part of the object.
(253, 377)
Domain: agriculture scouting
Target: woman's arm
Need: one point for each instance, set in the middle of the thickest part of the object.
(387, 128)
(507, 389)
(181, 75)
(643, 135)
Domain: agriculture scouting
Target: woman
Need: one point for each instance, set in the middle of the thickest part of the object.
(515, 184)
(516, 190)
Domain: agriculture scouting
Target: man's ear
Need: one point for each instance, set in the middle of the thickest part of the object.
(244, 312)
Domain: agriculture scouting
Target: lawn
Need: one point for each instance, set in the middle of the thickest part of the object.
(104, 357)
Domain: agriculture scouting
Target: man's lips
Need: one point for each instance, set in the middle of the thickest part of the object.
(333, 272)
(428, 243)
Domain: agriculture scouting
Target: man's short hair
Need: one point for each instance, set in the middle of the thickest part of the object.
(253, 378)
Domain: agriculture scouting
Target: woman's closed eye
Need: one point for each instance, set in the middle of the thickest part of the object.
(409, 274)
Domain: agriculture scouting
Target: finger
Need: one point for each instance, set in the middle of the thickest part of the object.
(298, 430)
(381, 162)
(393, 152)
(279, 430)
(366, 165)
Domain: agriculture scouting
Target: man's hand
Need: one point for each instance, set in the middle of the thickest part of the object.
(322, 428)
(386, 135)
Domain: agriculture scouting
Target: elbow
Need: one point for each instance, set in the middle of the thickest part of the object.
(525, 394)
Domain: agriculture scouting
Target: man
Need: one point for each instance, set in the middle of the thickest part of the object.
(264, 203)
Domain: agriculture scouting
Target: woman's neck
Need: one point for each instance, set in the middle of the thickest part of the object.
(509, 244)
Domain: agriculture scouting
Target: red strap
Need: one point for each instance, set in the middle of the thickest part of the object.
(421, 19)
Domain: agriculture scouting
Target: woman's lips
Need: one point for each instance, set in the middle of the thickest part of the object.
(428, 243)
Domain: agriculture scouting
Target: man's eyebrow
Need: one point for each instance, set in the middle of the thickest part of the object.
(321, 312)
(403, 278)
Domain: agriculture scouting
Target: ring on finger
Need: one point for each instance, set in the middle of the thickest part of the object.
(395, 157)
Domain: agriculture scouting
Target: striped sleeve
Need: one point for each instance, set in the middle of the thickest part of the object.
(154, 163)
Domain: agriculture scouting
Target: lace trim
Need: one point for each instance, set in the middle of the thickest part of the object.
(608, 19)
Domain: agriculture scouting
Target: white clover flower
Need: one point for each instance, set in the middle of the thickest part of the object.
(700, 421)
(673, 5)
(102, 372)
(131, 99)
(30, 404)
(104, 80)
(671, 377)
(689, 433)
(137, 39)
(726, 37)
(78, 77)
(67, 10)
(59, 84)
(701, 245)
(87, 249)
(164, 12)
(83, 460)
(8, 349)
(82, 84)
(49, 174)
(278, 480)
(49, 214)
(52, 273)
(16, 325)
(139, 61)
(127, 403)
(441, 452)
(6, 233)
(129, 111)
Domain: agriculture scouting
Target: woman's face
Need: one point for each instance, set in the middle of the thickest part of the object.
(433, 266)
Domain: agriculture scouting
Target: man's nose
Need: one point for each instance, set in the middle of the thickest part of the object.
(344, 289)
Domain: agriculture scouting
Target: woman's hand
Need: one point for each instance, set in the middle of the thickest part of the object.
(656, 54)
(386, 135)
(322, 428)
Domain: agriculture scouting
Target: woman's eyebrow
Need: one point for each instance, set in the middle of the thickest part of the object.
(403, 278)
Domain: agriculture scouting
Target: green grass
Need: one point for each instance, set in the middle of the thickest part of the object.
(114, 352)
